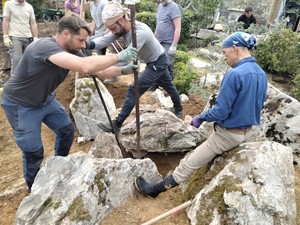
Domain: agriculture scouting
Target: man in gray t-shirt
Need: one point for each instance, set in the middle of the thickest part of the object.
(116, 19)
(168, 28)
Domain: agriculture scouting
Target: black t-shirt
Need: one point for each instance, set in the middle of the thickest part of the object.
(247, 21)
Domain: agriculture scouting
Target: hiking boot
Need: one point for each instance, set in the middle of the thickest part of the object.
(153, 190)
(107, 127)
(177, 113)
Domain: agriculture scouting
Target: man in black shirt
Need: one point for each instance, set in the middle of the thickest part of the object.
(247, 18)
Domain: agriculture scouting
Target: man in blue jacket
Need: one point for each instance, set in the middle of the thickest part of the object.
(237, 108)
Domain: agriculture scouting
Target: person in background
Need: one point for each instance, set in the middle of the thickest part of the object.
(168, 28)
(116, 18)
(19, 29)
(72, 7)
(167, 32)
(247, 18)
(28, 98)
(98, 29)
(237, 108)
(97, 25)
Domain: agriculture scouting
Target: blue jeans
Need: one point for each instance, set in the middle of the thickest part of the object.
(26, 123)
(156, 72)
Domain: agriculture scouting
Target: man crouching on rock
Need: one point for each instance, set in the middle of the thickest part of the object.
(28, 99)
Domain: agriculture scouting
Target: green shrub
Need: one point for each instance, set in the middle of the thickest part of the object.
(296, 89)
(184, 73)
(182, 57)
(279, 53)
(187, 18)
(37, 5)
(147, 18)
(146, 6)
(182, 47)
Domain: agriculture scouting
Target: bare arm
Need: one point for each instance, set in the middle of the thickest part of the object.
(34, 28)
(90, 64)
(112, 71)
(68, 12)
(177, 25)
(5, 25)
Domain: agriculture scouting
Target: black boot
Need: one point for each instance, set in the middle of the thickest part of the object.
(107, 127)
(153, 190)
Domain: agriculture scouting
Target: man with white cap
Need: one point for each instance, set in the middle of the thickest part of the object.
(237, 108)
(116, 19)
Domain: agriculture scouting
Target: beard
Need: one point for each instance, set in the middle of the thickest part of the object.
(70, 47)
(121, 32)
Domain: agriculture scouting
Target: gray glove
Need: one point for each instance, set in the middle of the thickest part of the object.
(128, 69)
(127, 55)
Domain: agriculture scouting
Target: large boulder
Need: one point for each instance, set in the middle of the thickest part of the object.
(87, 107)
(252, 185)
(160, 131)
(81, 189)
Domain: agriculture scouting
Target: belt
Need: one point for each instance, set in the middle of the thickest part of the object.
(159, 57)
(236, 130)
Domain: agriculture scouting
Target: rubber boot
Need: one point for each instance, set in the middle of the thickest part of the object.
(153, 190)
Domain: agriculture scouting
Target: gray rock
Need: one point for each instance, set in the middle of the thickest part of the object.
(81, 189)
(256, 186)
(87, 107)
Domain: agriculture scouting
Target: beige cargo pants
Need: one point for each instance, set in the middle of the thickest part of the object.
(221, 140)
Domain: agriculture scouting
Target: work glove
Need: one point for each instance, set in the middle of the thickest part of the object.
(172, 49)
(7, 41)
(196, 122)
(127, 55)
(129, 69)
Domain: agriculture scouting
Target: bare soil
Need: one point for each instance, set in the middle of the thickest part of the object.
(135, 210)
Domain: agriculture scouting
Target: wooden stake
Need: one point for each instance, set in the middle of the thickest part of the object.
(136, 75)
(173, 211)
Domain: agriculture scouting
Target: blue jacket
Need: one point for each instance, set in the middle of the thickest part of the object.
(241, 96)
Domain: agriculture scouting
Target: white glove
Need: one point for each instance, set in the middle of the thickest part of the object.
(7, 41)
(172, 49)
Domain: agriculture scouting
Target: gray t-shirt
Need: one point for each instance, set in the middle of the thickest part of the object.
(148, 47)
(36, 77)
(164, 21)
(96, 13)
